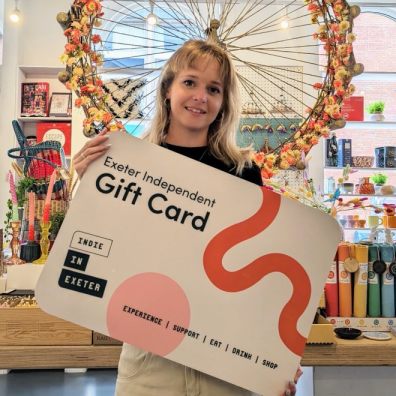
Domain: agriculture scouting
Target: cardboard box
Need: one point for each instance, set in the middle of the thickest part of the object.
(32, 326)
(321, 332)
(364, 324)
(101, 339)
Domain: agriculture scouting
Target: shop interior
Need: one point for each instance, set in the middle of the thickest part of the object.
(345, 166)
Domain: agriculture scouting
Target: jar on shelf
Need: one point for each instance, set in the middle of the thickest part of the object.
(365, 187)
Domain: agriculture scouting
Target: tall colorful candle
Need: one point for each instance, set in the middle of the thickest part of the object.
(32, 199)
(47, 202)
(14, 199)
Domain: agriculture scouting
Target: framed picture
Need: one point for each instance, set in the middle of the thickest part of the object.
(60, 105)
(34, 99)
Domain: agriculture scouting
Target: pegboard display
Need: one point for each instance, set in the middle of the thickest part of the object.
(279, 87)
(263, 134)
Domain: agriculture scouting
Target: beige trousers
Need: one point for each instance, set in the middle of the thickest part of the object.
(144, 374)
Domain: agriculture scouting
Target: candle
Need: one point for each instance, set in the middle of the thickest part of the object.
(14, 199)
(47, 201)
(32, 198)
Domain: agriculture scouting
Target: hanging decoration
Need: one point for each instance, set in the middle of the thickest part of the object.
(89, 24)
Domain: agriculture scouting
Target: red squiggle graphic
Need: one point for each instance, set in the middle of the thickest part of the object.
(242, 279)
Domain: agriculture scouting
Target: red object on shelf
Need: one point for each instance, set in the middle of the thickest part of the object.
(353, 108)
(34, 99)
(59, 131)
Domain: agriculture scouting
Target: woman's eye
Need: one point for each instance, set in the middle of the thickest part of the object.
(188, 83)
(214, 90)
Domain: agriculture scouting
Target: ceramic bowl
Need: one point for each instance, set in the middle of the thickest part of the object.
(387, 190)
(348, 333)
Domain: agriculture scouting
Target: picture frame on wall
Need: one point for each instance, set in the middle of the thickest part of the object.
(34, 99)
(60, 104)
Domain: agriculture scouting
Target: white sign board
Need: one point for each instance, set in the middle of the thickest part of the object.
(190, 263)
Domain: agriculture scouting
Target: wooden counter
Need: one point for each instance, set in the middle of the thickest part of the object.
(41, 357)
(361, 352)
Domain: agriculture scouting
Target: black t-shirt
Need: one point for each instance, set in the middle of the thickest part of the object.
(203, 155)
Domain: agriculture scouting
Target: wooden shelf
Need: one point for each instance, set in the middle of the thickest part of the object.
(363, 195)
(357, 168)
(41, 357)
(388, 124)
(42, 71)
(366, 229)
(44, 119)
(360, 352)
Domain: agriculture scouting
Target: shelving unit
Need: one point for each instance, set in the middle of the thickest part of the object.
(44, 119)
(358, 169)
(38, 74)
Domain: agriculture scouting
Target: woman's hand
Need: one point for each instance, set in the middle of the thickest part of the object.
(92, 150)
(291, 389)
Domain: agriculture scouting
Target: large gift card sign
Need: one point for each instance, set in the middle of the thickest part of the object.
(190, 263)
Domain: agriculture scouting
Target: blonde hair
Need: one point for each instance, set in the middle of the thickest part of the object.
(222, 131)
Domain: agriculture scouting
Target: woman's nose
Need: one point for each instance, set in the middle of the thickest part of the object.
(200, 95)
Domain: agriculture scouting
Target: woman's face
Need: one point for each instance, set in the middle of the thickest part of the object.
(196, 97)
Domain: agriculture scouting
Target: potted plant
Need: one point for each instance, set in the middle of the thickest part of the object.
(56, 222)
(376, 110)
(379, 179)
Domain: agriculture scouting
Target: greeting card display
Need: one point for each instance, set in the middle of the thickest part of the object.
(34, 100)
(58, 131)
(190, 263)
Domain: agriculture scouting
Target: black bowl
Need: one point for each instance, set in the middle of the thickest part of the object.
(348, 333)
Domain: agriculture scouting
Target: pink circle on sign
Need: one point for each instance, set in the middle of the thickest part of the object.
(144, 309)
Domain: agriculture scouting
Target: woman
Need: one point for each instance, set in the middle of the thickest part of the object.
(197, 114)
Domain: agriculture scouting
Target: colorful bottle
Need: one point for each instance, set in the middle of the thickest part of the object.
(374, 298)
(387, 290)
(360, 282)
(344, 282)
(331, 290)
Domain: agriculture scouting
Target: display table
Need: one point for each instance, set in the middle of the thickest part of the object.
(360, 352)
(56, 357)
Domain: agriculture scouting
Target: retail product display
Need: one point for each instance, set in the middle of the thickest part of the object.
(20, 301)
(353, 108)
(39, 162)
(344, 152)
(34, 101)
(360, 290)
(56, 131)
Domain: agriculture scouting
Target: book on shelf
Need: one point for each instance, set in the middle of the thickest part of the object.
(58, 131)
(34, 100)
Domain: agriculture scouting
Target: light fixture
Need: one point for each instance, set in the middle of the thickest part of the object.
(285, 24)
(285, 20)
(15, 15)
(152, 18)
